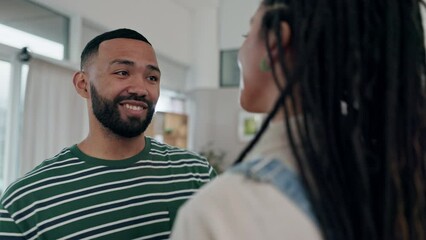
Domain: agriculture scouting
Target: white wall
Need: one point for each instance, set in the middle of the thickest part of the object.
(205, 68)
(215, 111)
(235, 21)
(215, 121)
(167, 25)
(188, 32)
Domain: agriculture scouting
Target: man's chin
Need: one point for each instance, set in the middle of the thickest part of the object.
(127, 133)
(131, 136)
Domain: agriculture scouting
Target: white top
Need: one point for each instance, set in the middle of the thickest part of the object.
(232, 207)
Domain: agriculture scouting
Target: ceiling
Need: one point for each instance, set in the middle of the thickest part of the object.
(196, 4)
(32, 18)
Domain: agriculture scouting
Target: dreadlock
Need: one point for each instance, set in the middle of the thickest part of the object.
(360, 143)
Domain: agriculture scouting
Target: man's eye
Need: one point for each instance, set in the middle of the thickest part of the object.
(153, 78)
(122, 73)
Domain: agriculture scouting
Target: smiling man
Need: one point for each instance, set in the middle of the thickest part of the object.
(116, 183)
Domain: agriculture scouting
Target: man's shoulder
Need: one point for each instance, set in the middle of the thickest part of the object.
(65, 156)
(187, 160)
(169, 150)
(44, 170)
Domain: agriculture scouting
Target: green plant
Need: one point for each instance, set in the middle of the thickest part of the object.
(215, 158)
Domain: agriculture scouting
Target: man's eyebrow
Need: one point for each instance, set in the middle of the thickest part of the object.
(122, 61)
(131, 63)
(153, 68)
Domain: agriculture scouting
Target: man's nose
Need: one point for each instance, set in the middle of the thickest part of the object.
(138, 86)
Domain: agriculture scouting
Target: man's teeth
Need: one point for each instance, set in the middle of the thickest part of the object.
(133, 107)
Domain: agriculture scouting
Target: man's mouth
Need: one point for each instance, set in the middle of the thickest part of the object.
(135, 107)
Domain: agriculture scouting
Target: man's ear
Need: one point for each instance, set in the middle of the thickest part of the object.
(81, 84)
(285, 40)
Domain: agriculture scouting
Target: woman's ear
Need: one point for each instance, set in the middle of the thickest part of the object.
(286, 33)
(81, 84)
(285, 40)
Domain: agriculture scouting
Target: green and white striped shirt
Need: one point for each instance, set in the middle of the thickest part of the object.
(74, 196)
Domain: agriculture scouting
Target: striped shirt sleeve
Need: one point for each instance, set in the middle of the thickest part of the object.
(8, 228)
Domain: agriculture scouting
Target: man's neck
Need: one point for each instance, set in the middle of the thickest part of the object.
(109, 146)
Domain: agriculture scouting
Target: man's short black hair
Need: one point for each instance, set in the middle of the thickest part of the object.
(93, 46)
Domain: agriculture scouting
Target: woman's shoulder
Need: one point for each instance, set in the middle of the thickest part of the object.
(232, 201)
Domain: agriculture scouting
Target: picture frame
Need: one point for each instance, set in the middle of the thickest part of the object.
(248, 125)
(229, 70)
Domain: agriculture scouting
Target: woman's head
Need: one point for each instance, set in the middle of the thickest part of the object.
(259, 60)
(359, 69)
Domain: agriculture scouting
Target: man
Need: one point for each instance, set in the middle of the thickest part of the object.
(116, 183)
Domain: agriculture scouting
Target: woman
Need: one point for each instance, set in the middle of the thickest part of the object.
(345, 81)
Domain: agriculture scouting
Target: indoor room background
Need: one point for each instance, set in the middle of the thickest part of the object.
(196, 42)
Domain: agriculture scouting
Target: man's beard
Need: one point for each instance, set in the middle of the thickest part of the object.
(107, 113)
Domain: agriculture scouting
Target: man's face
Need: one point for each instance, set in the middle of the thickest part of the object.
(107, 112)
(124, 86)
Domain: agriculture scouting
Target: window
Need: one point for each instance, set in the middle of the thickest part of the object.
(171, 101)
(13, 75)
(27, 24)
(5, 74)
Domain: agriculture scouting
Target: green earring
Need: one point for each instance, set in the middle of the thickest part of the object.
(264, 66)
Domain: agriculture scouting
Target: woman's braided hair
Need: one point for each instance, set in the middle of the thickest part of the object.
(359, 68)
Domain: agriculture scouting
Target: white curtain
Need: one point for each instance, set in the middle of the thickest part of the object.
(55, 116)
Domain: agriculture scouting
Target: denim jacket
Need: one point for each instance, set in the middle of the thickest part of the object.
(284, 179)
